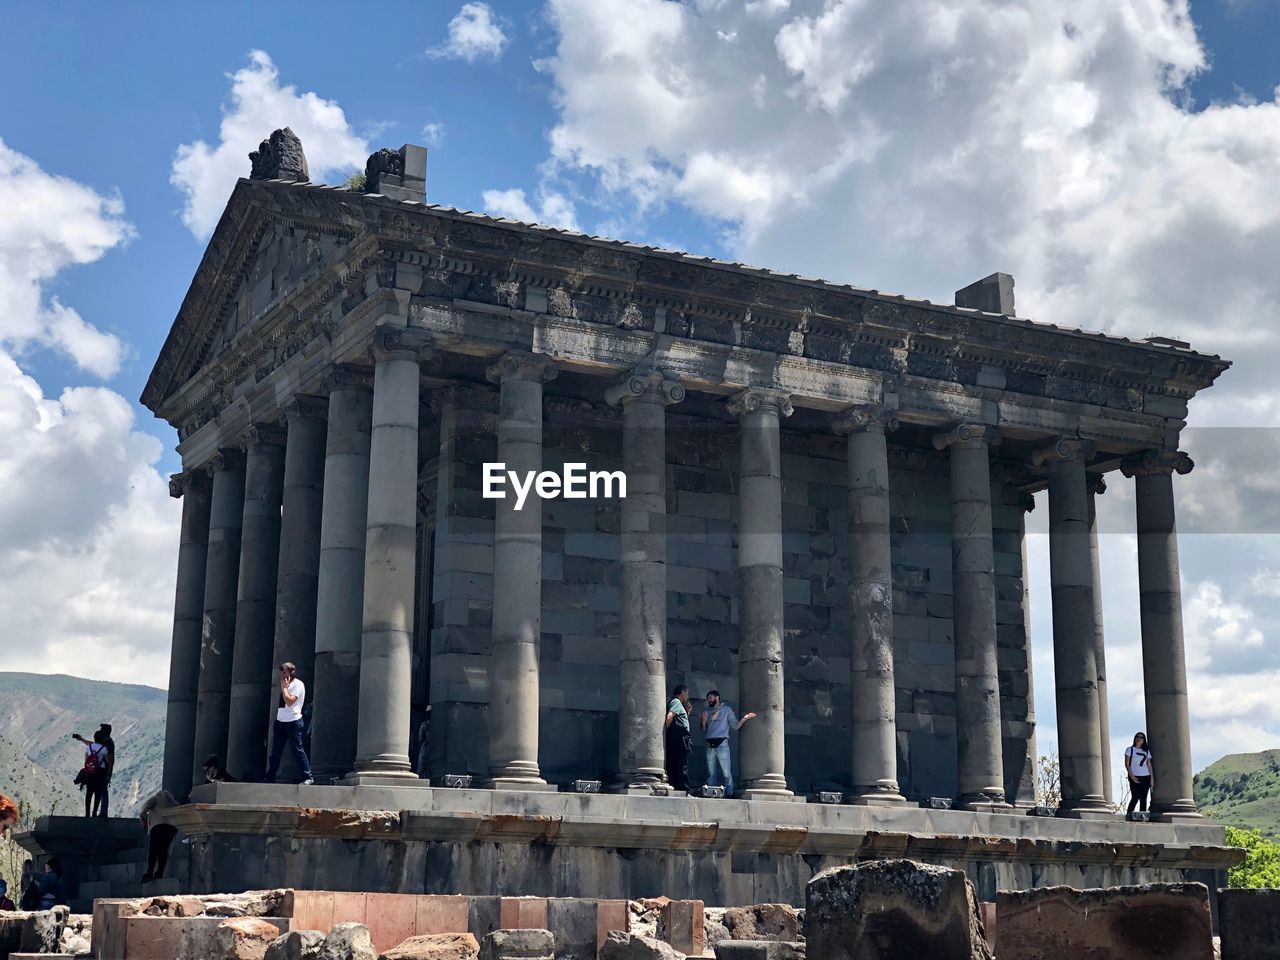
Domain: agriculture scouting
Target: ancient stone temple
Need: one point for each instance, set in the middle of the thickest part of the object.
(826, 490)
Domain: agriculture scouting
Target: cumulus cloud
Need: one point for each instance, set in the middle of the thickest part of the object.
(552, 210)
(258, 105)
(920, 145)
(51, 223)
(87, 531)
(474, 34)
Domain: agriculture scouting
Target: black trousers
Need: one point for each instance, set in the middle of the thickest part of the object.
(679, 745)
(1139, 787)
(158, 841)
(290, 733)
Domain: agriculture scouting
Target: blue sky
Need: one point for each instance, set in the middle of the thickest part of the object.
(1120, 157)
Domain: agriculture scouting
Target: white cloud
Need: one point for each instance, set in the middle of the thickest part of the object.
(51, 223)
(433, 134)
(920, 145)
(553, 209)
(258, 105)
(474, 34)
(87, 531)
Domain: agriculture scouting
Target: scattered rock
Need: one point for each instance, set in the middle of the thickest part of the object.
(631, 946)
(348, 941)
(255, 903)
(518, 945)
(244, 938)
(890, 909)
(173, 907)
(42, 930)
(296, 945)
(435, 946)
(681, 923)
(763, 921)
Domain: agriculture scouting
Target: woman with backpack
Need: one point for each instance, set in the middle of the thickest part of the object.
(93, 776)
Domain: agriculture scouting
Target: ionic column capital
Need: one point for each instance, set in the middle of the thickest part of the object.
(180, 484)
(868, 418)
(649, 386)
(1155, 462)
(226, 458)
(754, 398)
(1067, 448)
(967, 435)
(305, 407)
(464, 394)
(400, 343)
(262, 435)
(1096, 483)
(521, 365)
(343, 376)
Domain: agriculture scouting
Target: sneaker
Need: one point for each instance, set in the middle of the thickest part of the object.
(147, 878)
(307, 782)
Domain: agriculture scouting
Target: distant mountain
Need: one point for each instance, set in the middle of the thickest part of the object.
(1242, 790)
(38, 758)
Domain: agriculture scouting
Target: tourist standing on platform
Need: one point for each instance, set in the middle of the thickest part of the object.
(50, 885)
(159, 835)
(717, 720)
(105, 730)
(1141, 770)
(679, 743)
(93, 775)
(288, 727)
(30, 894)
(424, 738)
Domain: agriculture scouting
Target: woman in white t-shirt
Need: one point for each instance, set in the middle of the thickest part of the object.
(1141, 770)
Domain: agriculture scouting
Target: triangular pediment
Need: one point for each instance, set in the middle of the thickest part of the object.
(254, 259)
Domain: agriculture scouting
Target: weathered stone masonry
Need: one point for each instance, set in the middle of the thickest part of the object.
(830, 488)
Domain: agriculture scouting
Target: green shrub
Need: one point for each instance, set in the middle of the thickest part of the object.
(1261, 864)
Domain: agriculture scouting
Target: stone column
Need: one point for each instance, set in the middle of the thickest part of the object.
(296, 584)
(762, 749)
(874, 726)
(253, 678)
(340, 578)
(1097, 485)
(386, 643)
(981, 755)
(1075, 620)
(196, 492)
(517, 572)
(642, 671)
(218, 632)
(1164, 670)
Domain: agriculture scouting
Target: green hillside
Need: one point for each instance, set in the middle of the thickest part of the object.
(38, 758)
(1243, 790)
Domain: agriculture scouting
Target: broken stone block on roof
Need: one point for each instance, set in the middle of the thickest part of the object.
(889, 909)
(279, 157)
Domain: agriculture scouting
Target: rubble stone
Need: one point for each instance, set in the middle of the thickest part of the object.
(244, 938)
(435, 946)
(633, 946)
(1168, 921)
(173, 907)
(518, 945)
(762, 921)
(42, 930)
(348, 941)
(681, 923)
(889, 909)
(1249, 924)
(296, 945)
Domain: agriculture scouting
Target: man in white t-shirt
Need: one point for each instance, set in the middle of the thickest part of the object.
(288, 726)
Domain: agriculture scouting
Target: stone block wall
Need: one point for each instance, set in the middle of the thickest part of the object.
(581, 573)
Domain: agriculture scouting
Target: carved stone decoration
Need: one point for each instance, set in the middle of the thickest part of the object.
(383, 161)
(967, 434)
(753, 398)
(1097, 483)
(342, 376)
(521, 365)
(259, 434)
(1157, 461)
(181, 483)
(227, 458)
(872, 417)
(304, 407)
(1068, 448)
(280, 157)
(400, 343)
(464, 395)
(652, 384)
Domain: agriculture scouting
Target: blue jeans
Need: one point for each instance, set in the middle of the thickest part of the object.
(720, 768)
(290, 732)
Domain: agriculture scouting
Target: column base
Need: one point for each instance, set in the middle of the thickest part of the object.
(767, 793)
(876, 798)
(984, 803)
(1174, 816)
(381, 779)
(1087, 808)
(537, 785)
